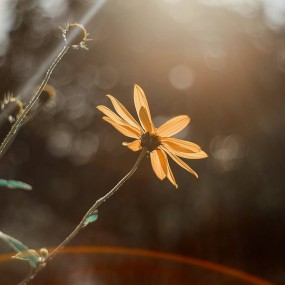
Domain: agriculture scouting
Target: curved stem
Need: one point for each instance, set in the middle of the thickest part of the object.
(81, 225)
(17, 125)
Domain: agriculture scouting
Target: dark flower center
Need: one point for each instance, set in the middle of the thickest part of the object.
(151, 142)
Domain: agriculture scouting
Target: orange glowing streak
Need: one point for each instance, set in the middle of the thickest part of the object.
(160, 255)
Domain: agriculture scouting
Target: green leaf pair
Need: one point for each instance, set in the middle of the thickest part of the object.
(24, 253)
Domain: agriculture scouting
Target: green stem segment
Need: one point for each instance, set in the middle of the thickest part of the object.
(81, 225)
(17, 125)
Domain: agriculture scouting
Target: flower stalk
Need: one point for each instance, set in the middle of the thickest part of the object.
(20, 120)
(82, 223)
(75, 36)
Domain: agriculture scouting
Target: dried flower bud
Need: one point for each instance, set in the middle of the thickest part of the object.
(11, 107)
(43, 252)
(75, 35)
(47, 96)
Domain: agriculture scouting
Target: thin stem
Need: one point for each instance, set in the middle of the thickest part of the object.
(81, 225)
(17, 125)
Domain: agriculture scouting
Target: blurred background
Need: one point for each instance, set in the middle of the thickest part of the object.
(222, 62)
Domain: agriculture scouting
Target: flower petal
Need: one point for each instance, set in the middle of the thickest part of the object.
(134, 145)
(144, 119)
(117, 120)
(123, 112)
(179, 161)
(158, 163)
(181, 145)
(141, 101)
(170, 175)
(173, 126)
(125, 130)
(106, 111)
(197, 155)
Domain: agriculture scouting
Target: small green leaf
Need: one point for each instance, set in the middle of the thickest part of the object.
(13, 243)
(22, 249)
(13, 184)
(90, 219)
(29, 255)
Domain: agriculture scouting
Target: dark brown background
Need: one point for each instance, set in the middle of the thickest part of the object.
(221, 64)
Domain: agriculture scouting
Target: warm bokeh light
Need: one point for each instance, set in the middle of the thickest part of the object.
(221, 62)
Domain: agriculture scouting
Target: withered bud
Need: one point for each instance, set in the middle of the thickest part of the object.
(11, 107)
(47, 96)
(43, 252)
(75, 35)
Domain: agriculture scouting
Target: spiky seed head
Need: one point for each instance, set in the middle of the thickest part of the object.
(11, 107)
(75, 35)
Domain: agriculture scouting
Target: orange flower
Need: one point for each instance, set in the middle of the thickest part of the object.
(157, 141)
